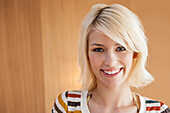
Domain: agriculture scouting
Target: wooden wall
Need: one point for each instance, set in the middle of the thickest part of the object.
(38, 50)
(21, 56)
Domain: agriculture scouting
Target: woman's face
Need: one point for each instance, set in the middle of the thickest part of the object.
(110, 61)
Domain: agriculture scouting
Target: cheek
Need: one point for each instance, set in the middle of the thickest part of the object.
(95, 61)
(127, 59)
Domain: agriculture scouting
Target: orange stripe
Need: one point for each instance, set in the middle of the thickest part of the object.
(152, 108)
(60, 100)
(74, 95)
(76, 111)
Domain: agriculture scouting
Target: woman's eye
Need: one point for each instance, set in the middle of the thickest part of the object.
(98, 50)
(121, 48)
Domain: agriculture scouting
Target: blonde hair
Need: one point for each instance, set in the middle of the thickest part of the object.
(122, 26)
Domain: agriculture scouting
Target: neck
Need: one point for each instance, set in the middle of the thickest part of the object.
(118, 96)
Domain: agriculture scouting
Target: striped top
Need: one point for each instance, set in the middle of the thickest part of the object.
(76, 102)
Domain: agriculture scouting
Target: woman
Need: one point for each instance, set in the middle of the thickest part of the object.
(112, 55)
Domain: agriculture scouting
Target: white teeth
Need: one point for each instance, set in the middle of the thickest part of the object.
(112, 72)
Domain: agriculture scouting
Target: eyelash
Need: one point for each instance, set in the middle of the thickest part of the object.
(98, 50)
(120, 48)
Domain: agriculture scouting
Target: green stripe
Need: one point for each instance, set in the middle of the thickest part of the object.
(152, 101)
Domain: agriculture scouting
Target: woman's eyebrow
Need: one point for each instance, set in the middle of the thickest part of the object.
(117, 44)
(97, 44)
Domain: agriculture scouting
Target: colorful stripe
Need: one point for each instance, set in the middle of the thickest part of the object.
(57, 109)
(62, 103)
(74, 101)
(75, 104)
(76, 111)
(151, 101)
(154, 106)
(74, 95)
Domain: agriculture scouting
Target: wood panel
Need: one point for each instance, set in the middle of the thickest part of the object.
(21, 57)
(60, 38)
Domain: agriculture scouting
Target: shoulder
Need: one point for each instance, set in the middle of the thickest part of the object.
(155, 105)
(60, 103)
(68, 101)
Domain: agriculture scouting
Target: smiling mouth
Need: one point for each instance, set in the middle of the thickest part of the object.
(111, 73)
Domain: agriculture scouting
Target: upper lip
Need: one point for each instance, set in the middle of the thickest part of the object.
(114, 69)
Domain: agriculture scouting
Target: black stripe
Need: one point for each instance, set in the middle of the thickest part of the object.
(151, 101)
(75, 104)
(76, 91)
(57, 109)
(66, 94)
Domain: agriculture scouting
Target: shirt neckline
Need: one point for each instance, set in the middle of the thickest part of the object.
(85, 108)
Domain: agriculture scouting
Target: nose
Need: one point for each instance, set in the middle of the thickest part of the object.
(111, 59)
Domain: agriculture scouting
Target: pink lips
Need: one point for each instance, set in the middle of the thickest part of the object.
(111, 75)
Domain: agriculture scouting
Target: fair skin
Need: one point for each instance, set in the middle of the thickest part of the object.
(111, 64)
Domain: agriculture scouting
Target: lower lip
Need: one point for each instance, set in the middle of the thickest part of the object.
(111, 75)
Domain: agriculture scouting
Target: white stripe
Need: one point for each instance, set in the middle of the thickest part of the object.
(71, 108)
(63, 96)
(54, 110)
(59, 106)
(147, 99)
(72, 92)
(153, 104)
(73, 99)
(84, 102)
(163, 107)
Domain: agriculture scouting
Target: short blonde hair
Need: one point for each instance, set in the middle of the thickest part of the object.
(122, 26)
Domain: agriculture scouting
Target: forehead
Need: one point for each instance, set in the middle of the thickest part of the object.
(98, 37)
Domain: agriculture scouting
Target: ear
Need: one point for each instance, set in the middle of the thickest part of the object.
(135, 54)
